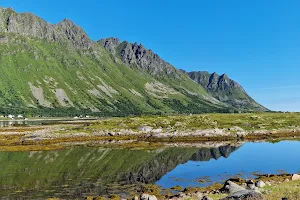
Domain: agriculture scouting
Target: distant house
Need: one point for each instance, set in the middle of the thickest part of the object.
(11, 116)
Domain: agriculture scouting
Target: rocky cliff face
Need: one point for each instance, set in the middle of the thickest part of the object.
(225, 89)
(139, 56)
(29, 24)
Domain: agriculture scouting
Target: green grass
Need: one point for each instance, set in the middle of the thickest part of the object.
(249, 122)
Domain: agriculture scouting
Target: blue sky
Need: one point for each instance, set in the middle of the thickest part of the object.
(255, 42)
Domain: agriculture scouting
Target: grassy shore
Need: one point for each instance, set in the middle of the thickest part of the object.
(290, 190)
(153, 131)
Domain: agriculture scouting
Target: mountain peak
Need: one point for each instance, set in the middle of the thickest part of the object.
(29, 24)
(138, 55)
(224, 76)
(225, 89)
(74, 33)
(67, 20)
(10, 9)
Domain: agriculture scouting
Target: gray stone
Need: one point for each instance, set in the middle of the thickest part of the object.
(145, 129)
(135, 198)
(251, 186)
(152, 197)
(110, 44)
(148, 197)
(198, 195)
(295, 177)
(231, 187)
(245, 195)
(260, 184)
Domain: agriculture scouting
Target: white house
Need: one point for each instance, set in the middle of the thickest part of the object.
(11, 116)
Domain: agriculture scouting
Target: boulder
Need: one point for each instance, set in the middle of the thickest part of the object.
(231, 187)
(295, 177)
(145, 129)
(197, 195)
(135, 198)
(148, 197)
(260, 184)
(250, 185)
(245, 195)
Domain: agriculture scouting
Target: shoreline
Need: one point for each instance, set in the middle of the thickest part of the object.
(267, 186)
(153, 132)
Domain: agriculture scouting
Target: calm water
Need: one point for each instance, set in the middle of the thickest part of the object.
(251, 157)
(83, 171)
(5, 123)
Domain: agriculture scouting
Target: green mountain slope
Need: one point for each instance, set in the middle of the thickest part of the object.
(58, 70)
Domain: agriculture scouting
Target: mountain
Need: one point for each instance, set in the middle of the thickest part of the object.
(225, 90)
(56, 69)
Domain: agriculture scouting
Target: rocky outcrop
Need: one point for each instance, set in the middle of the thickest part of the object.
(148, 197)
(68, 30)
(138, 56)
(237, 192)
(225, 90)
(29, 24)
(245, 195)
(110, 44)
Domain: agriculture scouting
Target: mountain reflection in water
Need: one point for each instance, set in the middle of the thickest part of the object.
(85, 171)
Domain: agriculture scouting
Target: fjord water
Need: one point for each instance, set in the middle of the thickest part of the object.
(249, 159)
(7, 123)
(84, 171)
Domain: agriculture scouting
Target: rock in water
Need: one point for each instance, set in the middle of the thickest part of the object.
(295, 177)
(260, 184)
(245, 195)
(231, 187)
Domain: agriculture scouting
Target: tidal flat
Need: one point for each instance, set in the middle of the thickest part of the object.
(152, 131)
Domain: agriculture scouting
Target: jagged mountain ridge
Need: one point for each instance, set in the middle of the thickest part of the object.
(32, 25)
(137, 55)
(225, 89)
(65, 72)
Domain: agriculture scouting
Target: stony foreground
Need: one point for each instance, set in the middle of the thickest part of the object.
(271, 189)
